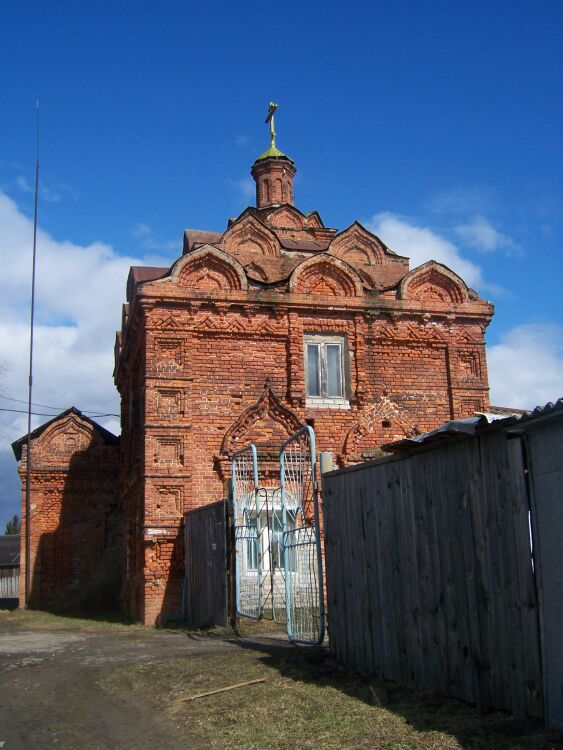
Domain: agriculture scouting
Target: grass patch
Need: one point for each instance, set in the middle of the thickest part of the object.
(308, 703)
(34, 619)
(266, 626)
(246, 628)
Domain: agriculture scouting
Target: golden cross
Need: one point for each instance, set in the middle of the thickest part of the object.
(270, 118)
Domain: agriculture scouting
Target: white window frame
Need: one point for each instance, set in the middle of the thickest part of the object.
(322, 400)
(269, 536)
(252, 553)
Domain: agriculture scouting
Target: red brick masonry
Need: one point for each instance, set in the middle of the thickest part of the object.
(211, 356)
(75, 528)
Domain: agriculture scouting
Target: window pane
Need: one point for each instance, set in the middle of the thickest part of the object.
(292, 559)
(313, 370)
(333, 371)
(276, 540)
(251, 554)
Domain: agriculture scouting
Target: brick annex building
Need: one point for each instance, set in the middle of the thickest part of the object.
(275, 322)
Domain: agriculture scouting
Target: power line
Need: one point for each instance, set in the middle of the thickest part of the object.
(24, 411)
(49, 406)
(42, 414)
(21, 401)
(11, 426)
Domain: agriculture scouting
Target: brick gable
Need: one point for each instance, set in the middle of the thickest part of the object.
(414, 358)
(219, 350)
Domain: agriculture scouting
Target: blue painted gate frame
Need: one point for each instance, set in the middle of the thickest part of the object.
(303, 564)
(302, 560)
(248, 583)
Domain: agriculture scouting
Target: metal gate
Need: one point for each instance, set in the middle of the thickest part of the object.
(248, 561)
(301, 539)
(278, 563)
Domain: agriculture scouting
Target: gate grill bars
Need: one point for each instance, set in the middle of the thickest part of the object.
(277, 558)
(248, 569)
(301, 539)
(278, 569)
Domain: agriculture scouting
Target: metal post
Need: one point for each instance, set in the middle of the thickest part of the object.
(30, 381)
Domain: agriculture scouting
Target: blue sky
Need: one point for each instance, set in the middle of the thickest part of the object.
(438, 125)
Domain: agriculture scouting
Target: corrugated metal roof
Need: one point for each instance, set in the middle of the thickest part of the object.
(543, 411)
(455, 428)
(471, 425)
(506, 411)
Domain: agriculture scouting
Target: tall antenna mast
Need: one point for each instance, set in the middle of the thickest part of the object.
(30, 386)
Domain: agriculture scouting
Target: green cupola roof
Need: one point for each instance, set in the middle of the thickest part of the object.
(273, 153)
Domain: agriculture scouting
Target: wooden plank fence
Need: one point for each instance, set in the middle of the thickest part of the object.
(9, 583)
(205, 589)
(429, 572)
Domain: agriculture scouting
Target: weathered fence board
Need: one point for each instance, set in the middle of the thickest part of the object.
(543, 442)
(9, 583)
(429, 573)
(205, 590)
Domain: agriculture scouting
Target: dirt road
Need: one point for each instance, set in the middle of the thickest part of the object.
(78, 684)
(50, 693)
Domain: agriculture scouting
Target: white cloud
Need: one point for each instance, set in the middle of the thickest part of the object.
(461, 201)
(148, 241)
(526, 368)
(50, 194)
(421, 244)
(140, 231)
(79, 291)
(241, 140)
(23, 184)
(480, 234)
(246, 187)
(79, 294)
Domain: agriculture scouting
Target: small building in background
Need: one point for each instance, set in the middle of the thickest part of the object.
(9, 570)
(75, 526)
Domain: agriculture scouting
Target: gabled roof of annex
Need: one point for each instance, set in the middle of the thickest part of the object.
(108, 437)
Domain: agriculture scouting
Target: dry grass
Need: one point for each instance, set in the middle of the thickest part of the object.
(33, 619)
(308, 703)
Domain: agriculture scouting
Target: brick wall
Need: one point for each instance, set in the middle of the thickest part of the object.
(75, 527)
(204, 395)
(211, 356)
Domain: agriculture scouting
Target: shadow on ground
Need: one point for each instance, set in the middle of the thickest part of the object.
(423, 711)
(9, 603)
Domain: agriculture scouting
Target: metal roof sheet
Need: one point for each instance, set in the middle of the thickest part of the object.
(470, 425)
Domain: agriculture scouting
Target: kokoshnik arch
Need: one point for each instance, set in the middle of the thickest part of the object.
(276, 322)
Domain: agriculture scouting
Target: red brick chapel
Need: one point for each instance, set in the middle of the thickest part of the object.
(276, 322)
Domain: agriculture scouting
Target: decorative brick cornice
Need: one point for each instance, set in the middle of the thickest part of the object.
(326, 276)
(433, 281)
(370, 417)
(268, 405)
